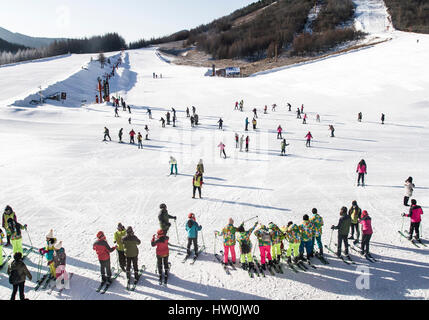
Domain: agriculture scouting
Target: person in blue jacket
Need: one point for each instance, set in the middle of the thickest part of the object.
(192, 227)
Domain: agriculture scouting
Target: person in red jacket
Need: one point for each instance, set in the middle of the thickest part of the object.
(309, 137)
(132, 134)
(162, 253)
(361, 170)
(103, 251)
(416, 218)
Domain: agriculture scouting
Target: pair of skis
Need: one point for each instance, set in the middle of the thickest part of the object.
(413, 241)
(225, 266)
(348, 260)
(132, 287)
(60, 290)
(165, 277)
(104, 286)
(43, 281)
(194, 259)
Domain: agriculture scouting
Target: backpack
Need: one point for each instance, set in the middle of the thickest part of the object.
(14, 277)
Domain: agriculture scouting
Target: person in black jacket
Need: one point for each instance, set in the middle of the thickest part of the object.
(18, 272)
(164, 218)
(343, 228)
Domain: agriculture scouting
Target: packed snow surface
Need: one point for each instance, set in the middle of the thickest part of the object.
(371, 16)
(57, 173)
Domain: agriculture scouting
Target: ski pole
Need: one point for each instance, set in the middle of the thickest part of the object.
(39, 267)
(402, 226)
(330, 240)
(31, 242)
(202, 238)
(177, 233)
(251, 219)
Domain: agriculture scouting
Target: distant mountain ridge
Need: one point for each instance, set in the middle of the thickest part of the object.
(10, 47)
(24, 40)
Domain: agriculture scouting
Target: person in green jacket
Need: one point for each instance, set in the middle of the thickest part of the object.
(355, 214)
(246, 246)
(293, 235)
(343, 228)
(119, 234)
(264, 241)
(164, 218)
(317, 222)
(130, 242)
(228, 234)
(276, 239)
(16, 235)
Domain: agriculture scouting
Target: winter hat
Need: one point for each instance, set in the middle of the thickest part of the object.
(306, 217)
(364, 214)
(241, 228)
(120, 227)
(230, 221)
(130, 230)
(50, 235)
(343, 211)
(160, 232)
(354, 203)
(314, 211)
(8, 209)
(414, 202)
(290, 223)
(162, 206)
(58, 245)
(100, 235)
(17, 256)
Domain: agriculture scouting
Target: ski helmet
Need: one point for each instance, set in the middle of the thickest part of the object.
(160, 232)
(8, 210)
(191, 216)
(100, 235)
(162, 206)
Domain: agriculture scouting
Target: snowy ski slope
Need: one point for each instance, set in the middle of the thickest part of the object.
(57, 173)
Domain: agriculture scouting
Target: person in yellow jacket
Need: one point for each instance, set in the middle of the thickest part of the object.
(119, 234)
(8, 214)
(1, 247)
(293, 236)
(197, 183)
(48, 251)
(15, 234)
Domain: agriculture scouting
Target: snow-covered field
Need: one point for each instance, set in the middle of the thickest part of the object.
(57, 173)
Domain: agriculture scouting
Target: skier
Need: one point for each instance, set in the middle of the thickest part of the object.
(355, 214)
(367, 232)
(140, 139)
(247, 143)
(246, 123)
(8, 214)
(129, 109)
(162, 122)
(360, 116)
(236, 140)
(132, 134)
(200, 167)
(284, 145)
(362, 171)
(131, 242)
(197, 183)
(149, 112)
(146, 128)
(236, 105)
(116, 112)
(331, 128)
(119, 234)
(241, 105)
(168, 118)
(293, 236)
(289, 106)
(302, 109)
(196, 119)
(192, 228)
(187, 112)
(173, 165)
(229, 240)
(254, 122)
(383, 117)
(298, 113)
(265, 109)
(192, 121)
(264, 242)
(343, 228)
(318, 118)
(121, 132)
(194, 110)
(220, 124)
(164, 218)
(1, 247)
(48, 251)
(309, 137)
(243, 239)
(415, 214)
(409, 188)
(276, 239)
(307, 235)
(18, 272)
(304, 121)
(103, 250)
(174, 120)
(60, 267)
(279, 132)
(318, 223)
(222, 149)
(106, 134)
(255, 114)
(274, 106)
(129, 120)
(162, 253)
(16, 235)
(241, 143)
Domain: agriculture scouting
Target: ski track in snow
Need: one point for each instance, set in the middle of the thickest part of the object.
(60, 175)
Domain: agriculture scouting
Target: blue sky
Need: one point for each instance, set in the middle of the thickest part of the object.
(133, 19)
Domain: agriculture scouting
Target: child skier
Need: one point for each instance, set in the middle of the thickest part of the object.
(16, 235)
(317, 222)
(367, 232)
(276, 239)
(293, 236)
(8, 214)
(409, 188)
(106, 134)
(18, 272)
(254, 122)
(103, 250)
(192, 228)
(309, 137)
(146, 128)
(120, 134)
(236, 140)
(247, 143)
(264, 241)
(222, 149)
(241, 143)
(279, 132)
(283, 146)
(307, 234)
(48, 251)
(140, 140)
(243, 239)
(60, 267)
(415, 214)
(362, 171)
(162, 253)
(132, 134)
(229, 240)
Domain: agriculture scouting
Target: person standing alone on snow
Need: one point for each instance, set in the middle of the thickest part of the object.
(362, 171)
(132, 134)
(247, 143)
(164, 218)
(409, 188)
(241, 143)
(279, 132)
(106, 134)
(283, 146)
(220, 124)
(331, 128)
(383, 117)
(197, 183)
(121, 132)
(140, 140)
(236, 140)
(173, 165)
(309, 137)
(222, 149)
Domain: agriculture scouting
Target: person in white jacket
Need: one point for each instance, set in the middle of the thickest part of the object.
(409, 188)
(241, 143)
(173, 164)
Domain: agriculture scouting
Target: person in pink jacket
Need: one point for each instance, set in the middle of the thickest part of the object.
(309, 137)
(222, 149)
(361, 170)
(279, 132)
(416, 218)
(367, 232)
